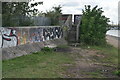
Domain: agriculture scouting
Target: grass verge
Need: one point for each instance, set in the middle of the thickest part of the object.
(50, 64)
(37, 65)
(105, 54)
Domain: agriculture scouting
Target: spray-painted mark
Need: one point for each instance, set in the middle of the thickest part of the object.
(0, 40)
(52, 33)
(18, 36)
(9, 39)
(36, 34)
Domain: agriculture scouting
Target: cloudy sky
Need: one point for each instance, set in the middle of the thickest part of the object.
(110, 7)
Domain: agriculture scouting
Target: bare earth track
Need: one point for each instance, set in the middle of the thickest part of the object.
(86, 64)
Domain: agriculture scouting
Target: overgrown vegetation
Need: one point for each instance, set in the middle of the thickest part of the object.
(94, 26)
(117, 72)
(54, 64)
(109, 53)
(37, 65)
(54, 14)
(47, 49)
(18, 13)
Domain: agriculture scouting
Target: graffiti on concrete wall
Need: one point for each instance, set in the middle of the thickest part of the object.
(52, 33)
(0, 39)
(24, 35)
(17, 36)
(8, 38)
(42, 34)
(36, 34)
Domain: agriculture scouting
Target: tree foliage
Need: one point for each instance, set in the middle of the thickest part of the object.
(18, 13)
(54, 14)
(94, 26)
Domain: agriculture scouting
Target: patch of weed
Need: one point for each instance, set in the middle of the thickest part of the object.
(117, 72)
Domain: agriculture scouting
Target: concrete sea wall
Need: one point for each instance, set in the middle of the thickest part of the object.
(18, 41)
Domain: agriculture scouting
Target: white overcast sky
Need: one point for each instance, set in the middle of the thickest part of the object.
(110, 7)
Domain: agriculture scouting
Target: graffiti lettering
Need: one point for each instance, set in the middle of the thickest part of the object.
(36, 34)
(18, 36)
(9, 40)
(52, 33)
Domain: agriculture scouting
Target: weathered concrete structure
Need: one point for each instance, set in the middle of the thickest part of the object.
(66, 20)
(18, 41)
(73, 34)
(29, 48)
(73, 30)
(14, 36)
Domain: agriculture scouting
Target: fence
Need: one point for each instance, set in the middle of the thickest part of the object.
(42, 21)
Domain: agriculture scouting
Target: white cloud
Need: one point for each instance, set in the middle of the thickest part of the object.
(110, 7)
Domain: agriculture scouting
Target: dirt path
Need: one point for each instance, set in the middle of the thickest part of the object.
(86, 65)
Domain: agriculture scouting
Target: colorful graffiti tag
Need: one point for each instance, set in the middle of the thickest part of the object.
(42, 34)
(36, 34)
(17, 36)
(8, 38)
(52, 33)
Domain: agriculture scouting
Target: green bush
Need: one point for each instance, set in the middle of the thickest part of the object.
(117, 72)
(47, 49)
(94, 26)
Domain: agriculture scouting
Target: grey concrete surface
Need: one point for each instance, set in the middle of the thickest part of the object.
(21, 50)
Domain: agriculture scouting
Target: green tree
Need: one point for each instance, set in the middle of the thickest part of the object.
(18, 13)
(54, 14)
(94, 26)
